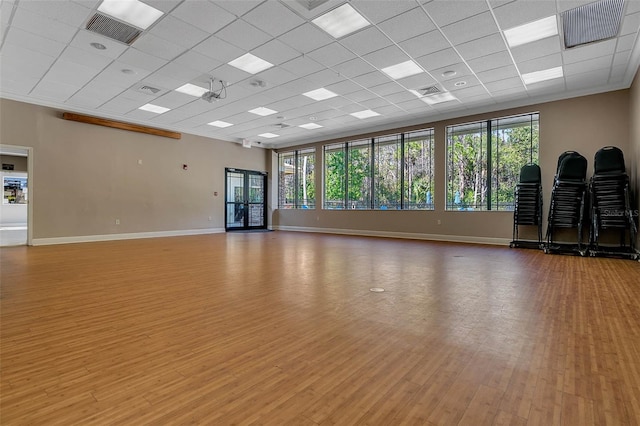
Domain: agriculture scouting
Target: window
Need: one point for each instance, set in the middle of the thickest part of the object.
(484, 160)
(418, 170)
(296, 180)
(390, 172)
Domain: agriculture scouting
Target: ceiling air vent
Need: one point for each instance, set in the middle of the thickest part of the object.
(592, 22)
(148, 90)
(113, 29)
(429, 90)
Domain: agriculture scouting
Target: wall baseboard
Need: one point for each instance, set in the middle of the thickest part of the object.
(405, 235)
(129, 236)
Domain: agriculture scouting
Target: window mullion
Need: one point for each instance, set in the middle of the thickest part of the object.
(489, 163)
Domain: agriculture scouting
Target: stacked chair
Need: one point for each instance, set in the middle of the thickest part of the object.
(611, 204)
(567, 205)
(528, 206)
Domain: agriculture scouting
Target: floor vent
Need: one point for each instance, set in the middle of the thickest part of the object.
(113, 29)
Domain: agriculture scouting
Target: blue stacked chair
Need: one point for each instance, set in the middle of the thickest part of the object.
(610, 197)
(527, 209)
(567, 205)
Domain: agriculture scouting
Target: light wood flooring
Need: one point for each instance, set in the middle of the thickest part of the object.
(280, 328)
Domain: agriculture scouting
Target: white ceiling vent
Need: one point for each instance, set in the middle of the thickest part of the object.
(429, 90)
(113, 29)
(148, 90)
(592, 22)
(311, 4)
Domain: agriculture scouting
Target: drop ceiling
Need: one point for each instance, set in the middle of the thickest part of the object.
(47, 58)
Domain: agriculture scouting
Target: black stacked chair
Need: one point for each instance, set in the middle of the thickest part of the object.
(611, 204)
(567, 202)
(528, 205)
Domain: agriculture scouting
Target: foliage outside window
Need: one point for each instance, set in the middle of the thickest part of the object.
(391, 172)
(296, 180)
(484, 160)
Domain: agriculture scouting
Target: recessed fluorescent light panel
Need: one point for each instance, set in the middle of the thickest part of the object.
(154, 108)
(533, 31)
(262, 111)
(268, 135)
(250, 63)
(538, 76)
(132, 12)
(341, 21)
(192, 89)
(320, 94)
(310, 126)
(404, 69)
(438, 98)
(219, 123)
(367, 113)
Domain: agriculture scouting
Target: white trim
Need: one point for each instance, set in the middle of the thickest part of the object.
(404, 235)
(130, 236)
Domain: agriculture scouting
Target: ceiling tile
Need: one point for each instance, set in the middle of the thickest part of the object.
(29, 41)
(522, 12)
(565, 5)
(417, 81)
(618, 74)
(482, 47)
(621, 58)
(439, 59)
(380, 10)
(407, 25)
(276, 52)
(71, 14)
(58, 92)
(113, 73)
(243, 35)
(361, 95)
(178, 32)
(425, 44)
(175, 99)
(380, 102)
(230, 75)
(273, 18)
(302, 66)
(331, 54)
(450, 11)
(306, 38)
(119, 105)
(163, 5)
(371, 79)
(366, 41)
(598, 63)
(70, 73)
(344, 87)
(16, 83)
(461, 70)
(238, 8)
(537, 49)
(461, 83)
(630, 24)
(626, 42)
(197, 61)
(140, 59)
(589, 51)
(387, 88)
(508, 83)
(400, 97)
(86, 58)
(498, 74)
(388, 56)
(471, 28)
(276, 76)
(353, 68)
(539, 64)
(492, 61)
(30, 63)
(218, 49)
(325, 77)
(589, 79)
(159, 47)
(204, 15)
(83, 40)
(43, 26)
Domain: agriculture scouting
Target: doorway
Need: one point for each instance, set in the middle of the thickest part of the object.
(246, 200)
(16, 205)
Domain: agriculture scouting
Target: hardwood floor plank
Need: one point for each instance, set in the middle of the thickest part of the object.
(280, 328)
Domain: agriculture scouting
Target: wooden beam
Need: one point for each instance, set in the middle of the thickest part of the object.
(120, 125)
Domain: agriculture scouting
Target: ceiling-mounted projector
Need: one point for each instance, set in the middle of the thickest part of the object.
(215, 95)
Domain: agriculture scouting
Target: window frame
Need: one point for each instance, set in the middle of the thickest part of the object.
(298, 201)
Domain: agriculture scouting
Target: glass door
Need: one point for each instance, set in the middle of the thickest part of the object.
(246, 200)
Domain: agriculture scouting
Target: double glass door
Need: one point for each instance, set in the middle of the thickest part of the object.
(246, 200)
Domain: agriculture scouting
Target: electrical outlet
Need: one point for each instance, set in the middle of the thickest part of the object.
(439, 222)
(117, 221)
